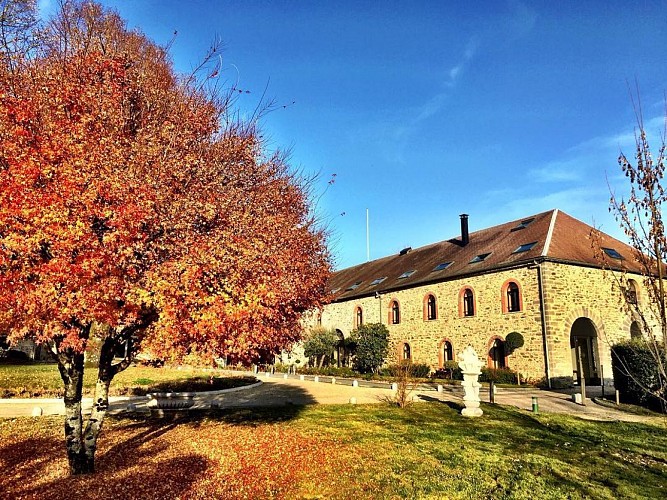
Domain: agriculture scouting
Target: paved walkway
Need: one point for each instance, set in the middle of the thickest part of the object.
(275, 390)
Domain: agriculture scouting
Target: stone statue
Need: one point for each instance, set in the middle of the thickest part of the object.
(471, 367)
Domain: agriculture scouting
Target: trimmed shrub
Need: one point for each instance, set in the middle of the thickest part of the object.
(636, 374)
(451, 371)
(420, 370)
(413, 370)
(513, 341)
(498, 375)
(329, 371)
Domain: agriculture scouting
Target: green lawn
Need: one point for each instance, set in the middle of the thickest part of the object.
(43, 380)
(375, 451)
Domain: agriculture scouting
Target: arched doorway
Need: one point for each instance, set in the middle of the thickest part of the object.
(585, 355)
(497, 356)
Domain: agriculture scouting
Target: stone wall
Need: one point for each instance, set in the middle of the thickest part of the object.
(573, 292)
(425, 337)
(570, 292)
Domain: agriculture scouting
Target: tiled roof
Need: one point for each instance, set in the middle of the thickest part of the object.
(568, 240)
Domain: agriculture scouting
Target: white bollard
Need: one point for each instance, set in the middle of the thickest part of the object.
(285, 376)
(439, 388)
(268, 374)
(37, 411)
(333, 380)
(353, 401)
(394, 386)
(316, 379)
(355, 383)
(302, 377)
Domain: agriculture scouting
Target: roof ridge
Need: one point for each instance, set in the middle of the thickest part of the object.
(550, 233)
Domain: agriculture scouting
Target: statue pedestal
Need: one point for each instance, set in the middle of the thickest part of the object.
(471, 367)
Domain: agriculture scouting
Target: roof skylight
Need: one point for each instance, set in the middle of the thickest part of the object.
(407, 274)
(480, 258)
(334, 290)
(353, 286)
(523, 224)
(377, 281)
(442, 266)
(612, 253)
(525, 247)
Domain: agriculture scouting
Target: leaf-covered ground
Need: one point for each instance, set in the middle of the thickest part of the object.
(425, 451)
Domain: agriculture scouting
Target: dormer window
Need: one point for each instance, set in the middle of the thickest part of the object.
(480, 258)
(407, 274)
(612, 253)
(442, 266)
(525, 247)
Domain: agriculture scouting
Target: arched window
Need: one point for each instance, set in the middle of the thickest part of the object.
(511, 297)
(631, 292)
(497, 354)
(406, 351)
(319, 318)
(395, 313)
(358, 317)
(513, 302)
(468, 302)
(447, 352)
(431, 308)
(635, 331)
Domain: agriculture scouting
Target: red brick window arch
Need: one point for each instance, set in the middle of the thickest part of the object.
(430, 307)
(467, 305)
(511, 297)
(358, 317)
(394, 312)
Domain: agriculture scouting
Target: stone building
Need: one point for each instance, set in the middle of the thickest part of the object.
(541, 277)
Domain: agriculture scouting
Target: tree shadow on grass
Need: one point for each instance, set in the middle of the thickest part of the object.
(37, 468)
(138, 457)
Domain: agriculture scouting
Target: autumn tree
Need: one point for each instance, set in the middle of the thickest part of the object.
(135, 208)
(640, 217)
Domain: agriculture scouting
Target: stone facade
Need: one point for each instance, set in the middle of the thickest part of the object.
(570, 292)
(541, 277)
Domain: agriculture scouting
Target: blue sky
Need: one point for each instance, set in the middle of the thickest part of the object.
(425, 110)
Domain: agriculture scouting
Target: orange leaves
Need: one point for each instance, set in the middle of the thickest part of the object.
(206, 459)
(123, 189)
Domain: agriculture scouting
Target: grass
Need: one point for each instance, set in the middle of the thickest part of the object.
(43, 380)
(427, 450)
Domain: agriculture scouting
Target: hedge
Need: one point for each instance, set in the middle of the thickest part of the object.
(636, 374)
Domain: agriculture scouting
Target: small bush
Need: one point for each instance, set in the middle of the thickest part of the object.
(330, 371)
(498, 375)
(420, 370)
(451, 371)
(636, 374)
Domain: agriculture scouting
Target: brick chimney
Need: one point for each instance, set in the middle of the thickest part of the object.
(465, 238)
